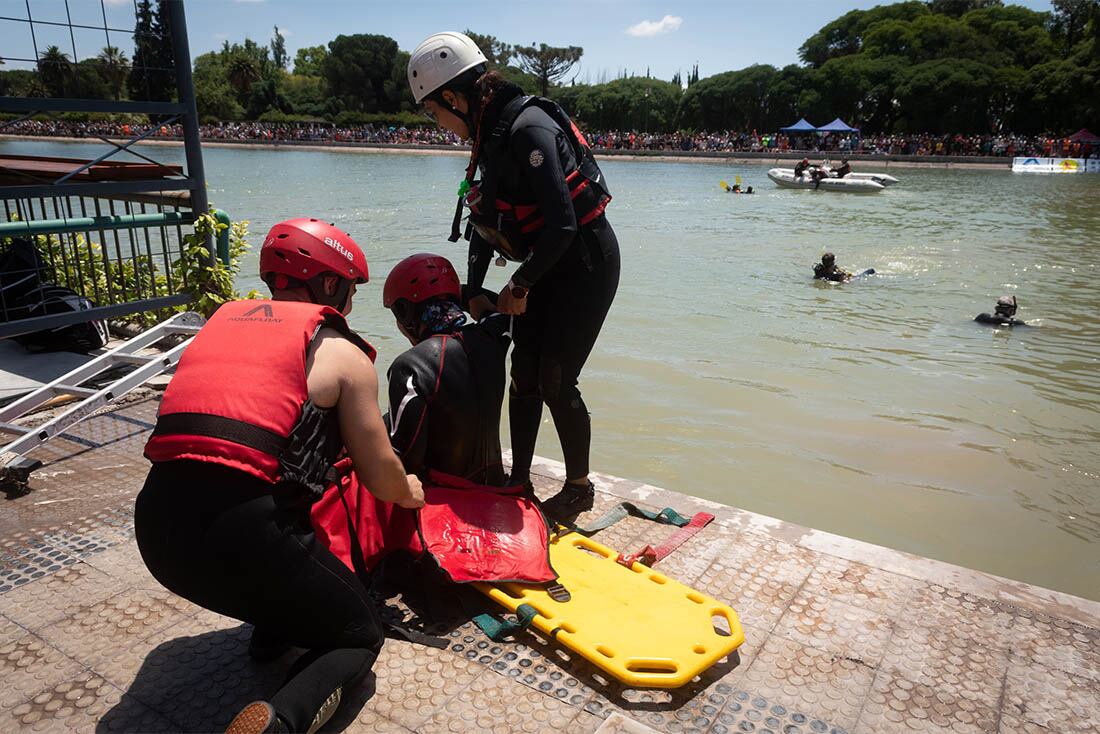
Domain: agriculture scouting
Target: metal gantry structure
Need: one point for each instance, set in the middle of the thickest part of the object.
(127, 228)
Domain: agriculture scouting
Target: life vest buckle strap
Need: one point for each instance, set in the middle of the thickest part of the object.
(558, 592)
(218, 426)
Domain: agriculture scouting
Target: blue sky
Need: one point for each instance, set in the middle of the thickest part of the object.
(674, 35)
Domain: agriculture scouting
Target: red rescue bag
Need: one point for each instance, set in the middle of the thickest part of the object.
(473, 532)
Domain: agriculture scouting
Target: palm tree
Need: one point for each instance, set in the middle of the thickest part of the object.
(242, 71)
(53, 67)
(116, 67)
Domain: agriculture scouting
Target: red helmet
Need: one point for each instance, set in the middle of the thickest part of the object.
(305, 248)
(420, 277)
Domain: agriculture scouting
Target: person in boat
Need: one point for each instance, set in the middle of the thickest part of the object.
(801, 167)
(539, 202)
(828, 270)
(843, 170)
(446, 392)
(1004, 313)
(261, 404)
(818, 174)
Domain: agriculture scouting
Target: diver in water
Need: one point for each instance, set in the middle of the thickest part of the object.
(1003, 314)
(749, 190)
(827, 270)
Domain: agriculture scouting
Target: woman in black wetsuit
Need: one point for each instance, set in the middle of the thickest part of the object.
(539, 202)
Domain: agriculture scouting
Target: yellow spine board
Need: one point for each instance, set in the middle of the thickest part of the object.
(635, 624)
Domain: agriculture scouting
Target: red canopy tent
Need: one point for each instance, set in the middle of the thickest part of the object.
(1084, 136)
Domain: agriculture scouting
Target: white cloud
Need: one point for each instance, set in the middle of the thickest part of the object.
(648, 28)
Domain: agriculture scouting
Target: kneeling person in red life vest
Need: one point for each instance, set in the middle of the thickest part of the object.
(446, 391)
(263, 401)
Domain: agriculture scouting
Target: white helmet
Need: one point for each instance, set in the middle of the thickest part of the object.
(439, 59)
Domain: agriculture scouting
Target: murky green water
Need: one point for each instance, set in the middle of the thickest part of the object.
(874, 409)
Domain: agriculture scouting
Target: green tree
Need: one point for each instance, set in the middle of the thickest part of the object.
(1070, 19)
(958, 8)
(242, 71)
(151, 72)
(497, 53)
(278, 50)
(845, 34)
(55, 70)
(116, 68)
(310, 60)
(548, 64)
(358, 69)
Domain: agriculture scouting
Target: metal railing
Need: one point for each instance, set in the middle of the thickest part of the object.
(115, 242)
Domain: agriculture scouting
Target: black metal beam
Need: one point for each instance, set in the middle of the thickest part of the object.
(51, 104)
(95, 188)
(38, 323)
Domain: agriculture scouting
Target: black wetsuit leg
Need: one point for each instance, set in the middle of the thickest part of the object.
(552, 341)
(214, 536)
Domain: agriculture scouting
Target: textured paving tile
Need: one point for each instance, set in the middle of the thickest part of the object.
(584, 723)
(619, 724)
(899, 705)
(23, 560)
(369, 722)
(1013, 725)
(413, 681)
(124, 562)
(825, 685)
(94, 633)
(946, 661)
(28, 665)
(86, 703)
(820, 622)
(494, 703)
(747, 712)
(54, 597)
(1052, 698)
(759, 578)
(9, 630)
(198, 681)
(987, 622)
(860, 585)
(1057, 643)
(688, 562)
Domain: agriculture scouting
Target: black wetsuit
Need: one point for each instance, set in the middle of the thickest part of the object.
(445, 399)
(843, 171)
(998, 320)
(572, 274)
(215, 536)
(834, 273)
(800, 168)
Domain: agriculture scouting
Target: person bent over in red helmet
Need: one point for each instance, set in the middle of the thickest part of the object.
(263, 401)
(446, 391)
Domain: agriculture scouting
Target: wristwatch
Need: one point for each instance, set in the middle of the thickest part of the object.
(518, 291)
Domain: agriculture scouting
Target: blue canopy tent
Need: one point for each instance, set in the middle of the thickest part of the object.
(837, 126)
(799, 127)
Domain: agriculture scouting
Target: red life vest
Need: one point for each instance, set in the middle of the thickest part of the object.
(473, 532)
(240, 386)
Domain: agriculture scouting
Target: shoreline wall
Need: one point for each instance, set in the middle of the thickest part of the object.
(695, 156)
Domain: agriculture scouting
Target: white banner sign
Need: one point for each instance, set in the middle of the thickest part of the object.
(1053, 165)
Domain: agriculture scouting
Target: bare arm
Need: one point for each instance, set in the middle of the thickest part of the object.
(340, 375)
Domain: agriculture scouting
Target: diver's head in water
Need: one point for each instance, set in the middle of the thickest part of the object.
(423, 293)
(828, 261)
(1006, 306)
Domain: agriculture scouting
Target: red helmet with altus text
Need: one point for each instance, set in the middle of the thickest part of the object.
(420, 277)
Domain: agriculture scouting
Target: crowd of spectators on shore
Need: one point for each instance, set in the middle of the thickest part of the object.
(999, 145)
